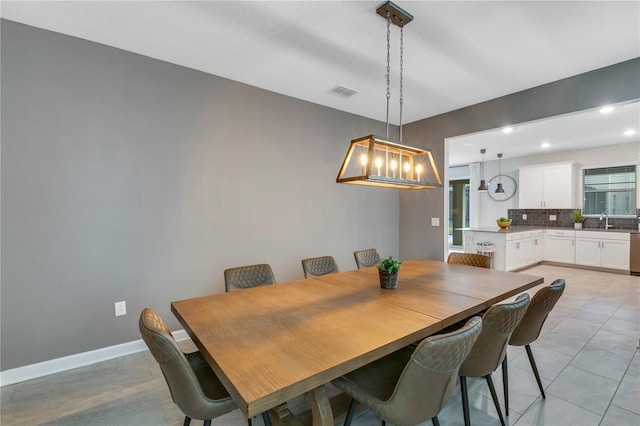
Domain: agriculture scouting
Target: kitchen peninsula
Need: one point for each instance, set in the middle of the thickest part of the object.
(519, 247)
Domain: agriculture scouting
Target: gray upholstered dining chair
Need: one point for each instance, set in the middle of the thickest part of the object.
(411, 386)
(366, 258)
(316, 266)
(529, 329)
(248, 276)
(498, 322)
(470, 259)
(194, 387)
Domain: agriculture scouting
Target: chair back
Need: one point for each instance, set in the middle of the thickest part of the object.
(498, 322)
(541, 304)
(366, 258)
(429, 377)
(185, 384)
(319, 266)
(470, 259)
(248, 276)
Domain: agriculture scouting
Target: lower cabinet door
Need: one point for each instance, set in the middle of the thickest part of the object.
(559, 249)
(615, 254)
(515, 256)
(588, 252)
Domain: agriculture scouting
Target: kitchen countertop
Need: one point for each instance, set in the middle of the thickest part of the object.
(521, 228)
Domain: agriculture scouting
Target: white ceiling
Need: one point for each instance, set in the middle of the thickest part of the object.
(563, 133)
(456, 53)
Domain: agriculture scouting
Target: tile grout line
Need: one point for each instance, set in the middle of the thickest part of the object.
(620, 382)
(582, 348)
(573, 357)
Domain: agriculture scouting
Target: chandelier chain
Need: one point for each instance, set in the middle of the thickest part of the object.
(388, 76)
(401, 71)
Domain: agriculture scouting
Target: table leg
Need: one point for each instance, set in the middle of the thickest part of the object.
(321, 411)
(282, 416)
(320, 407)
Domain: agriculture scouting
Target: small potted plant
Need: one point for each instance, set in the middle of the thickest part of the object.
(388, 271)
(578, 218)
(503, 222)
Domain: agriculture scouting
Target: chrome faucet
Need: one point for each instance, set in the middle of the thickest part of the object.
(606, 217)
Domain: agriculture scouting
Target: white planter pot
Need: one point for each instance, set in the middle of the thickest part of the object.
(577, 225)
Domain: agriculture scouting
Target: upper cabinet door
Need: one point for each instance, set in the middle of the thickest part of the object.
(549, 186)
(531, 188)
(559, 187)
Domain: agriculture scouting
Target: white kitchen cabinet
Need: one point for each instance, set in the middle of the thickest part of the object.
(603, 249)
(517, 250)
(548, 186)
(514, 255)
(523, 249)
(534, 248)
(513, 250)
(559, 246)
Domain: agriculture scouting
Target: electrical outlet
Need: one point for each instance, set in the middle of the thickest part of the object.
(524, 217)
(435, 221)
(121, 308)
(552, 217)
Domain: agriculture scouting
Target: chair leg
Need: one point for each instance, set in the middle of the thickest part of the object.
(266, 419)
(435, 421)
(505, 385)
(207, 422)
(535, 369)
(492, 389)
(187, 421)
(350, 412)
(465, 400)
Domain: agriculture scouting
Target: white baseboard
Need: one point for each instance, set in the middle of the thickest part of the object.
(40, 369)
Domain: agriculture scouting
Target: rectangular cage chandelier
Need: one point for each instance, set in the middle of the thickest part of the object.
(381, 161)
(377, 161)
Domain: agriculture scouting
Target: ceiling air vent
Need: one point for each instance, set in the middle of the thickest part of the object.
(343, 91)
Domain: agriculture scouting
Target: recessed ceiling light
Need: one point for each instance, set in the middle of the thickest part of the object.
(606, 110)
(545, 145)
(629, 132)
(507, 130)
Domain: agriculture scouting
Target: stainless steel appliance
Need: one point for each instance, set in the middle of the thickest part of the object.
(634, 254)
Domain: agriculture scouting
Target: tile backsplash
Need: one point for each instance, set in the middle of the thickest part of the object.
(541, 217)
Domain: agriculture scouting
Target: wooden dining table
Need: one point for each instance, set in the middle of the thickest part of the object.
(272, 343)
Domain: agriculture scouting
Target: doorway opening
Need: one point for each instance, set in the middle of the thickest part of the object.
(458, 212)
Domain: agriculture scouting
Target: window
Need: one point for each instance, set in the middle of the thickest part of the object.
(610, 189)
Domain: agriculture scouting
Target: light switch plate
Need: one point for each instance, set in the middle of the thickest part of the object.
(435, 221)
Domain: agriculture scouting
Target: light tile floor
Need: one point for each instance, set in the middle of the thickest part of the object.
(587, 356)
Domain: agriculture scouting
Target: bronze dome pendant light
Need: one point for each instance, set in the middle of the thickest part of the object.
(499, 189)
(483, 183)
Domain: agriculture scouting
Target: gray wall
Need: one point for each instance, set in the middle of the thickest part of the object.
(610, 85)
(128, 178)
